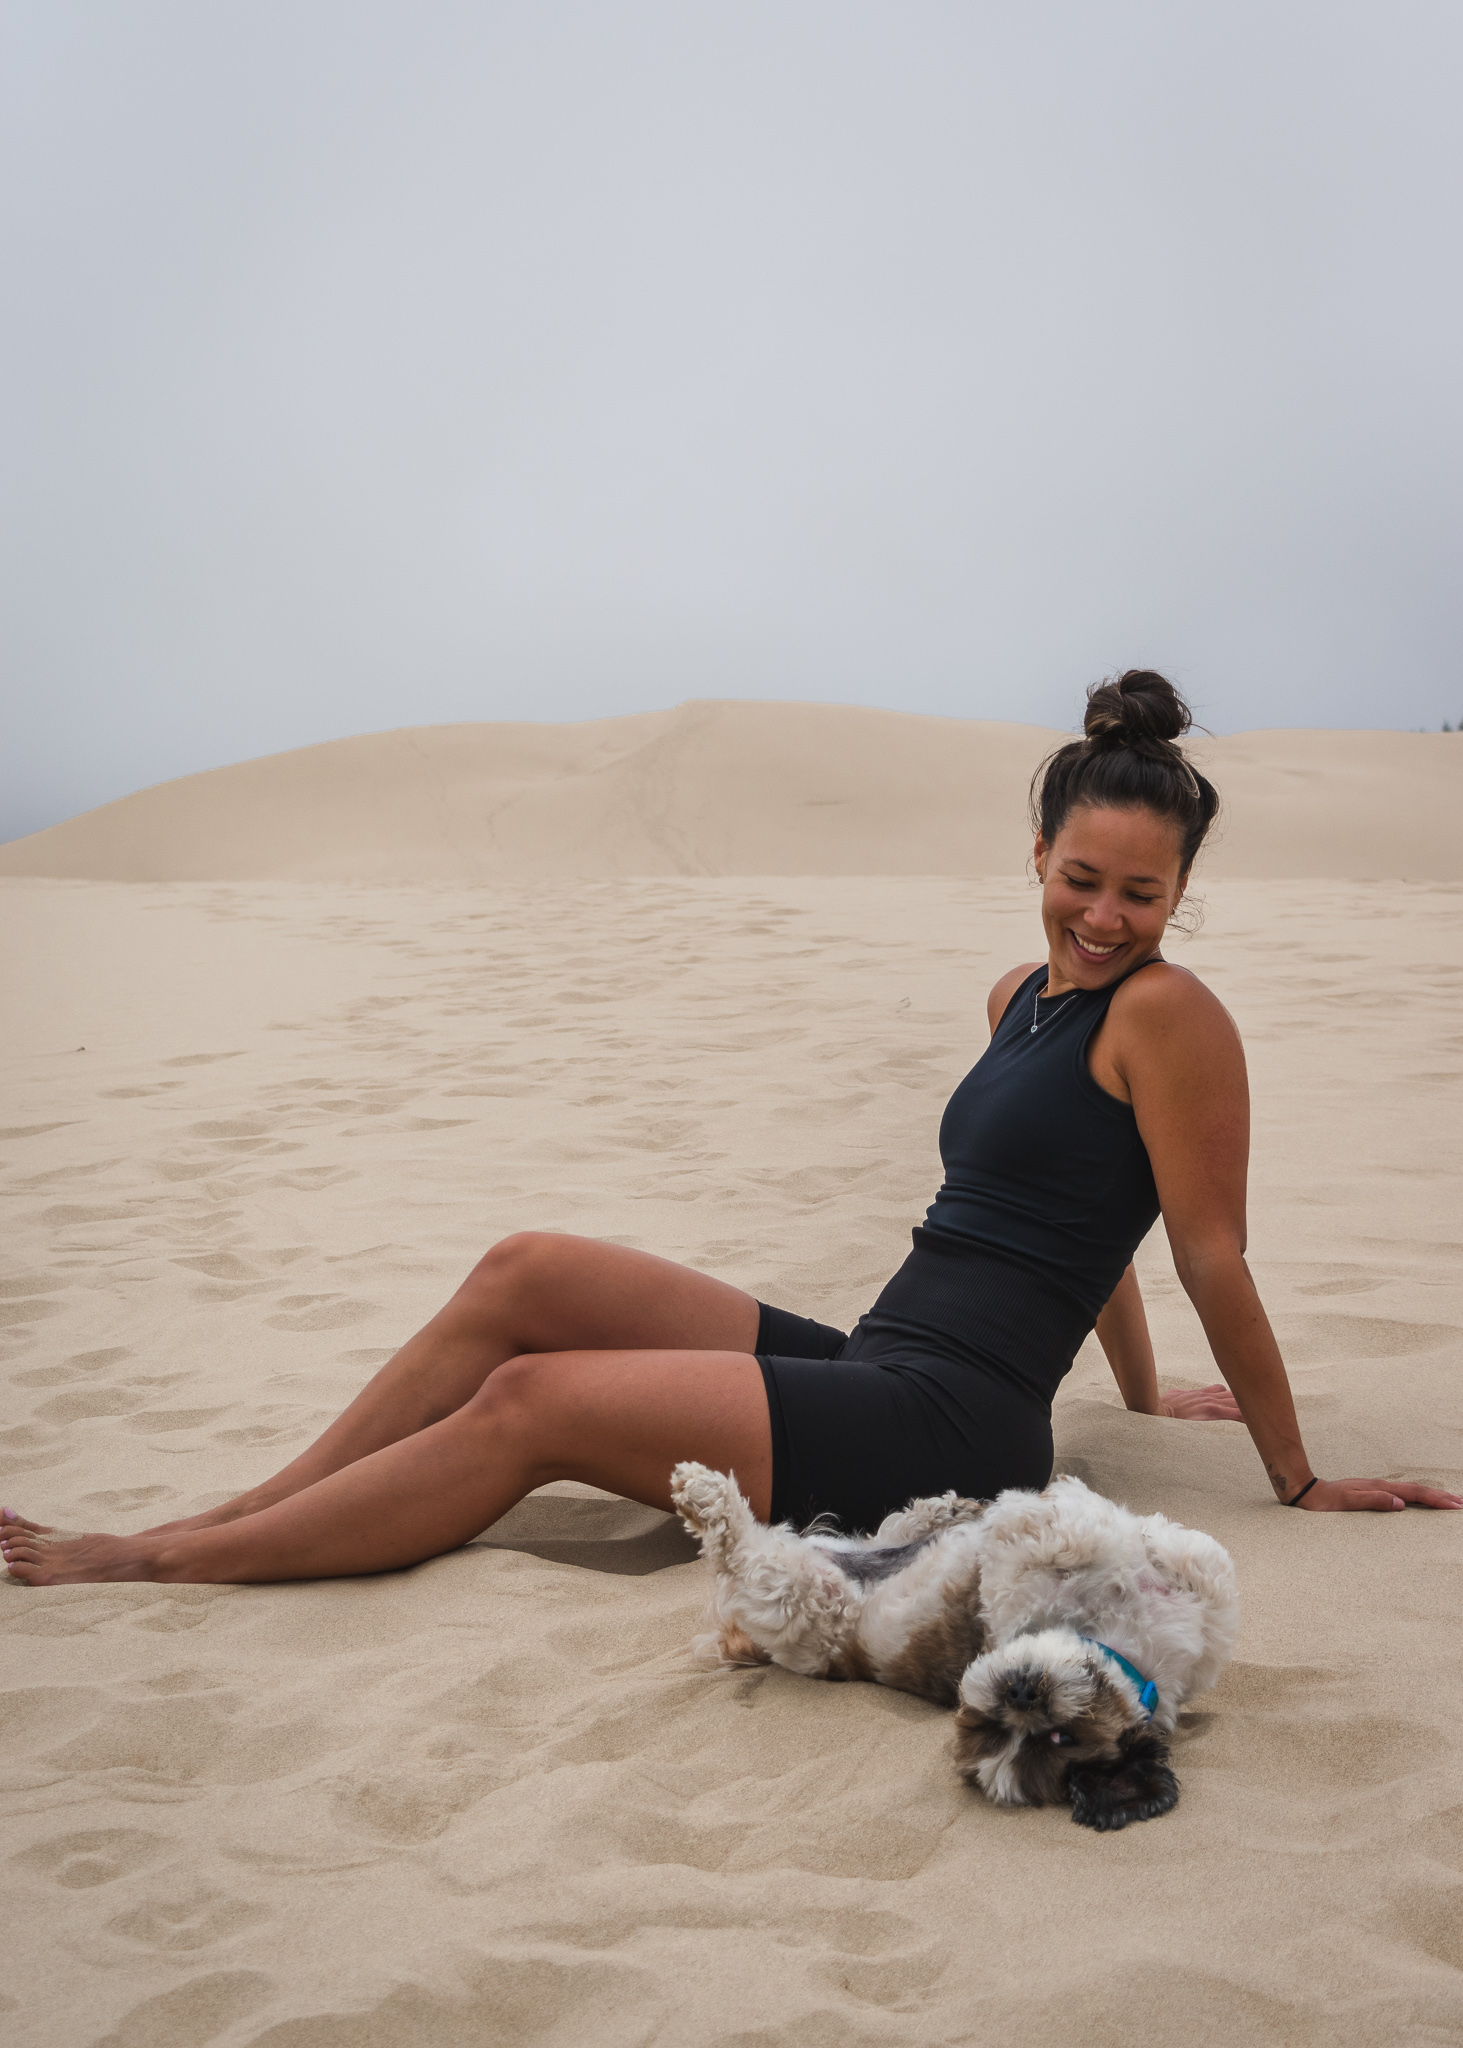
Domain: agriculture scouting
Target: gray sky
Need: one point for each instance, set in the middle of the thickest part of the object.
(385, 364)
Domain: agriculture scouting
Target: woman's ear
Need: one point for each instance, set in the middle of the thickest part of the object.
(1137, 1785)
(1038, 854)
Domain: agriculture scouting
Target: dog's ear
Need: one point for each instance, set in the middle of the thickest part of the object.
(1138, 1785)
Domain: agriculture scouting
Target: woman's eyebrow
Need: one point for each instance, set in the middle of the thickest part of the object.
(1154, 881)
(1072, 862)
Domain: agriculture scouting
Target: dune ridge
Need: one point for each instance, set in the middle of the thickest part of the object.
(731, 788)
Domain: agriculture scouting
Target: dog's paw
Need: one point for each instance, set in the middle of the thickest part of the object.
(702, 1498)
(1139, 1785)
(927, 1517)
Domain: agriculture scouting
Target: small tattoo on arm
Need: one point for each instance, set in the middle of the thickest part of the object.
(1278, 1481)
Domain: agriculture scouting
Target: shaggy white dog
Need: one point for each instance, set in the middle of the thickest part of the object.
(1068, 1631)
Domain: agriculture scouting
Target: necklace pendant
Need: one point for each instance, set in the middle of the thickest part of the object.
(1033, 1031)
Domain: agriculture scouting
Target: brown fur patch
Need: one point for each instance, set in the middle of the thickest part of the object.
(852, 1661)
(932, 1662)
(977, 1736)
(1108, 1719)
(737, 1646)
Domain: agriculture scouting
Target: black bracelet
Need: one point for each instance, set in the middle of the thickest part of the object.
(1304, 1491)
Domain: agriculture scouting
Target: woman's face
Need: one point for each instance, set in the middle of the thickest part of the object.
(1109, 883)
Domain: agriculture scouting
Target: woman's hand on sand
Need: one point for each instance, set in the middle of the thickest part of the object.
(1200, 1404)
(1374, 1496)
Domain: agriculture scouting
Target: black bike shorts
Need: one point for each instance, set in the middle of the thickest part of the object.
(945, 1383)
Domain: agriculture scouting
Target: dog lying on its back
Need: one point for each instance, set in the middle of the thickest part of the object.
(1067, 1631)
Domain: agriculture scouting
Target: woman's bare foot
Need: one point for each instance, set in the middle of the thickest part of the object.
(37, 1557)
(212, 1518)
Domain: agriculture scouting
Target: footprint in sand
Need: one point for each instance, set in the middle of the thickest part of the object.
(29, 1444)
(30, 1284)
(415, 1804)
(220, 1266)
(198, 1921)
(892, 1980)
(1317, 1339)
(199, 2010)
(37, 1716)
(320, 1312)
(168, 1419)
(17, 1315)
(1302, 1719)
(79, 1366)
(100, 1856)
(62, 1213)
(1428, 1915)
(88, 1402)
(206, 1735)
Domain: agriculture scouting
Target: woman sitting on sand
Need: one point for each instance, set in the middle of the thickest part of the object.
(1113, 1089)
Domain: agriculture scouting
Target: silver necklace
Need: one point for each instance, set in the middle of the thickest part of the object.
(1035, 1026)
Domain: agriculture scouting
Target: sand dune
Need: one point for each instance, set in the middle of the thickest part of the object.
(491, 1800)
(736, 789)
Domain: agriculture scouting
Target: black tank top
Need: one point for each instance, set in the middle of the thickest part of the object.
(1041, 1165)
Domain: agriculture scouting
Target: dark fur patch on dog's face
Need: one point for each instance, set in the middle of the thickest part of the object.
(1034, 1735)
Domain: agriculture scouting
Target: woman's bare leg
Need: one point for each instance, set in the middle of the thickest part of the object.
(616, 1419)
(535, 1292)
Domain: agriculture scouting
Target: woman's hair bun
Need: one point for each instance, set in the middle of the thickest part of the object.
(1128, 762)
(1138, 705)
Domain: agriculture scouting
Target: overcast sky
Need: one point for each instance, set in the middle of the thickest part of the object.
(391, 364)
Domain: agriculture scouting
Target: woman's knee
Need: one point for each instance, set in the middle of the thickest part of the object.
(508, 1280)
(512, 1398)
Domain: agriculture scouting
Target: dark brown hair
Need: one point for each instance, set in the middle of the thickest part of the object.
(1128, 761)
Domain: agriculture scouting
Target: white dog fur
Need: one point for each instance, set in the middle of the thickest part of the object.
(1006, 1609)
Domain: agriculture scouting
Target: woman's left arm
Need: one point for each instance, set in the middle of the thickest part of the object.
(1178, 1052)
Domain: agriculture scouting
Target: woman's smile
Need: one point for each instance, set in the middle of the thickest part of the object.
(1089, 948)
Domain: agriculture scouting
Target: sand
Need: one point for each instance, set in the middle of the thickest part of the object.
(491, 1800)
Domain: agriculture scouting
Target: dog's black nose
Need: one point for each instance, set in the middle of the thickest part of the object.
(1021, 1691)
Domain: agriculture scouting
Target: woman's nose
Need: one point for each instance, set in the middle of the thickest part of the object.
(1105, 915)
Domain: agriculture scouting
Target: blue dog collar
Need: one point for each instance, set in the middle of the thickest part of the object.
(1147, 1690)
